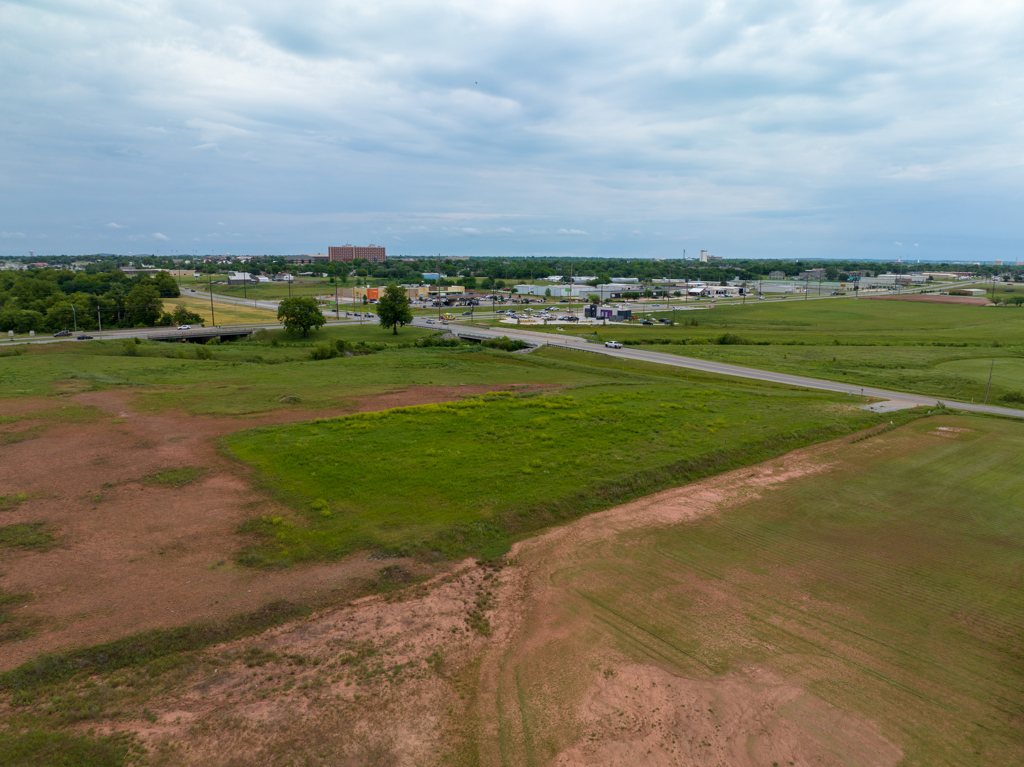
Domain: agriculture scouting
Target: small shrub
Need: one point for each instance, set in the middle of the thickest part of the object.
(505, 343)
(730, 339)
(289, 399)
(202, 353)
(323, 351)
(1013, 396)
(130, 347)
(698, 342)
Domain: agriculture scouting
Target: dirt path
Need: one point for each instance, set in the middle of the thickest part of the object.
(133, 555)
(627, 713)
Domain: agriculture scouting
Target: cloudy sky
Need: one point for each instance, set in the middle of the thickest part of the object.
(818, 128)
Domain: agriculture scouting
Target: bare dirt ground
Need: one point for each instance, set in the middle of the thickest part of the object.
(131, 555)
(429, 675)
(936, 299)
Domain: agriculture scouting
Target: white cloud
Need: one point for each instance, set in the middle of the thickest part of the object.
(10, 235)
(161, 237)
(570, 231)
(470, 230)
(112, 225)
(749, 126)
(505, 230)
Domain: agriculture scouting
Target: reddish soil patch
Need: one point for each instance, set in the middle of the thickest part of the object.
(935, 299)
(132, 555)
(374, 682)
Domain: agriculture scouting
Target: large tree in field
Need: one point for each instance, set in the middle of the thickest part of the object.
(300, 314)
(143, 305)
(393, 308)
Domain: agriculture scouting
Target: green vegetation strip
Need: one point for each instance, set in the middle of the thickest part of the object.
(58, 749)
(469, 477)
(144, 648)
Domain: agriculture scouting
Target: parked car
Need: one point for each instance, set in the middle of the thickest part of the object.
(84, 338)
(647, 322)
(665, 321)
(430, 322)
(62, 333)
(467, 314)
(613, 344)
(184, 327)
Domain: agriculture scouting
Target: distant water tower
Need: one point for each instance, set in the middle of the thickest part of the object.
(32, 255)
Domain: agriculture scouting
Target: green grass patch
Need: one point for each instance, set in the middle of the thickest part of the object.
(37, 748)
(176, 477)
(468, 477)
(26, 535)
(8, 502)
(11, 627)
(244, 378)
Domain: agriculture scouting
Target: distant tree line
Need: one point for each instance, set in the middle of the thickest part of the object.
(51, 300)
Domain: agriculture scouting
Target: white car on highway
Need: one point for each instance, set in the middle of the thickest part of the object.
(613, 344)
(184, 327)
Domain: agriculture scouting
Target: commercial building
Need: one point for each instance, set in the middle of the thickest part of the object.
(776, 275)
(610, 313)
(309, 258)
(348, 253)
(244, 278)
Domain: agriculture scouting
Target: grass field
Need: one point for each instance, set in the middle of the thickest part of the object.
(251, 376)
(890, 586)
(925, 348)
(226, 314)
(470, 476)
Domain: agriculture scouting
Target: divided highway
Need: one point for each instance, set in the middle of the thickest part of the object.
(675, 360)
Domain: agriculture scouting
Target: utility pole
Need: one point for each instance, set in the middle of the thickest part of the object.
(987, 388)
(99, 318)
(337, 306)
(209, 286)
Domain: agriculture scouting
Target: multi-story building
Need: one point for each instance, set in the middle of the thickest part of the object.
(372, 253)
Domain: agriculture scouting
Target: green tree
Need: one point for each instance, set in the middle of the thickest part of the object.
(143, 306)
(300, 314)
(166, 285)
(547, 292)
(393, 308)
(183, 316)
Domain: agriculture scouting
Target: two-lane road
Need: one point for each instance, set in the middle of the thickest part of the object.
(721, 368)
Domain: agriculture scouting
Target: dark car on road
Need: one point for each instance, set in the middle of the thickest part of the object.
(84, 338)
(62, 333)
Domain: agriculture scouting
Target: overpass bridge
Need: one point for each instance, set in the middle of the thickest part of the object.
(202, 335)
